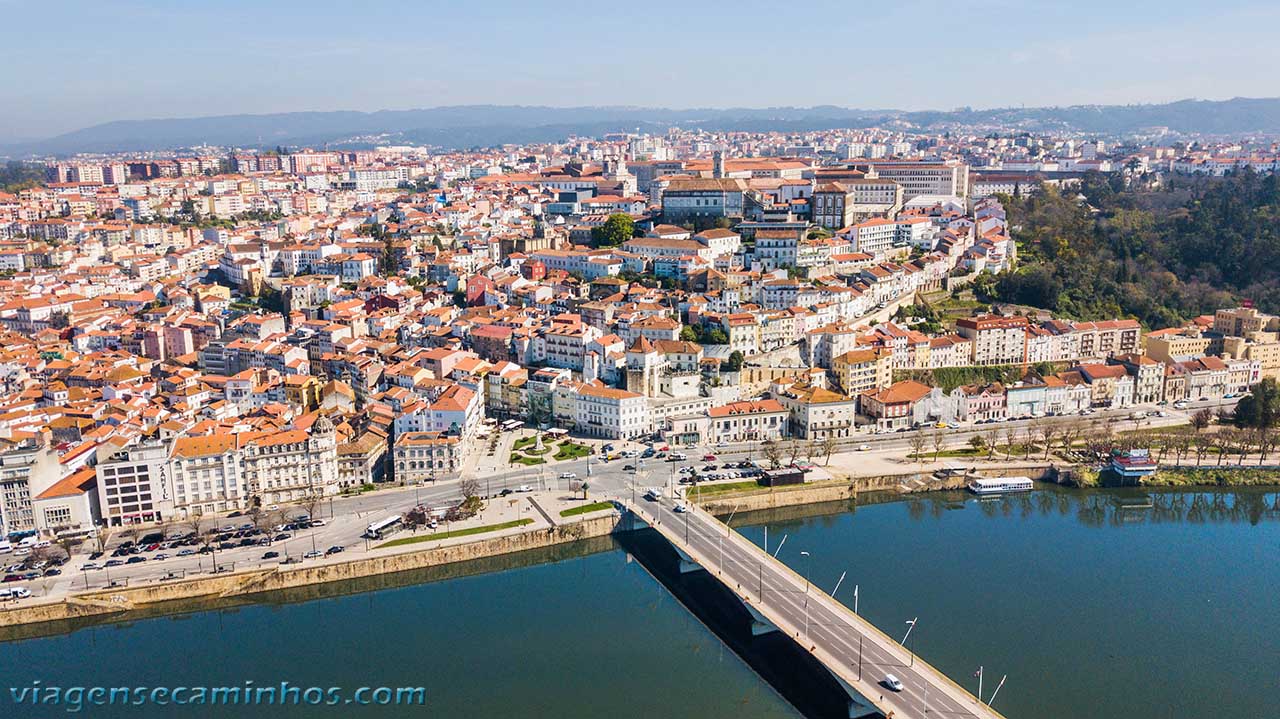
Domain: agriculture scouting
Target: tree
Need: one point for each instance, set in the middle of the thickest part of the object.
(617, 228)
(470, 487)
(310, 503)
(68, 544)
(1047, 434)
(1202, 444)
(917, 443)
(196, 524)
(584, 487)
(938, 440)
(734, 363)
(794, 450)
(773, 453)
(1260, 409)
(688, 334)
(828, 446)
(977, 443)
(1201, 419)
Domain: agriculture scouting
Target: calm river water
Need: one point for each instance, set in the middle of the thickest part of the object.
(1094, 604)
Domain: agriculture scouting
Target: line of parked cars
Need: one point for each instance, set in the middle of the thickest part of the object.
(31, 569)
(712, 472)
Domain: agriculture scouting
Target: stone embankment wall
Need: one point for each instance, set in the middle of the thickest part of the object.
(836, 489)
(122, 602)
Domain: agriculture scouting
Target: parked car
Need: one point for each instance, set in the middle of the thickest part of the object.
(526, 488)
(567, 475)
(708, 458)
(186, 553)
(113, 563)
(136, 560)
(313, 554)
(333, 550)
(270, 555)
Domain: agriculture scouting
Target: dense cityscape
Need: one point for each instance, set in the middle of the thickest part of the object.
(574, 405)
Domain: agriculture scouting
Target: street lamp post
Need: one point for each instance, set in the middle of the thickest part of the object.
(911, 625)
(807, 565)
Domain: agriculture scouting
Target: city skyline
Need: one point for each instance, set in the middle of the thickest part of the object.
(242, 59)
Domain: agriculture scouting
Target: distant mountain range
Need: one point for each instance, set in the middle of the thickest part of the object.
(466, 126)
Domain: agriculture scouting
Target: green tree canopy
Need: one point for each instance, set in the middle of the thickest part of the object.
(618, 228)
(1261, 407)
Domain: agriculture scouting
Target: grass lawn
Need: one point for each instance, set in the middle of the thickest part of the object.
(524, 442)
(526, 461)
(704, 490)
(586, 509)
(455, 533)
(572, 450)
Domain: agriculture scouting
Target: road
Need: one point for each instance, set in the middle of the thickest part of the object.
(347, 517)
(844, 642)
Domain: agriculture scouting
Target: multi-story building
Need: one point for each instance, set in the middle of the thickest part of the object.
(206, 475)
(133, 483)
(292, 465)
(949, 178)
(704, 200)
(613, 413)
(424, 456)
(755, 421)
(996, 340)
(860, 370)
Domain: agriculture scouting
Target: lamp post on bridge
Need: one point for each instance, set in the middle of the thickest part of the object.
(911, 625)
(807, 565)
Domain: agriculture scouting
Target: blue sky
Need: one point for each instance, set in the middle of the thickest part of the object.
(69, 64)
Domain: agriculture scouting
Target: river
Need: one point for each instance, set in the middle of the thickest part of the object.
(1094, 604)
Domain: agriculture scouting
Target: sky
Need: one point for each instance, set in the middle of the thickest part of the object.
(69, 64)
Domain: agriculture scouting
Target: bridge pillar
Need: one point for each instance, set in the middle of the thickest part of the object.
(859, 705)
(687, 564)
(759, 623)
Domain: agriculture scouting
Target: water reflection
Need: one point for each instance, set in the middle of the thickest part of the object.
(1091, 508)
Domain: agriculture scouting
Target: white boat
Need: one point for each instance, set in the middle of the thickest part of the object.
(1000, 485)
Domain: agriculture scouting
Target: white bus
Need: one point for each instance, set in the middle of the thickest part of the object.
(382, 528)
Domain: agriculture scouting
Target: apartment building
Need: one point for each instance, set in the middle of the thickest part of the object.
(996, 340)
(860, 370)
(752, 421)
(424, 456)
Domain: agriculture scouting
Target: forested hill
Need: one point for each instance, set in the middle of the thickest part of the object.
(1161, 255)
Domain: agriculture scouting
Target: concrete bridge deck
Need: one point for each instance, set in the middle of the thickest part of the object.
(857, 653)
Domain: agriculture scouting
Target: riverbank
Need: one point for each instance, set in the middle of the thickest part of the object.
(755, 498)
(1226, 475)
(200, 592)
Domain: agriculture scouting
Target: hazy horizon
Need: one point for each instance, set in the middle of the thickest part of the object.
(141, 60)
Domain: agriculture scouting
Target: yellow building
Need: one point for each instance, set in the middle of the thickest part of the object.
(1173, 345)
(862, 370)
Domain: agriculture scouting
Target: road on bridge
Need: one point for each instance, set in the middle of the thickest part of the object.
(847, 644)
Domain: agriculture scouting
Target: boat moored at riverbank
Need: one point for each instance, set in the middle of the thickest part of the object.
(1000, 485)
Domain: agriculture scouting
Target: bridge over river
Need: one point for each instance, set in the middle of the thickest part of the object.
(857, 654)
